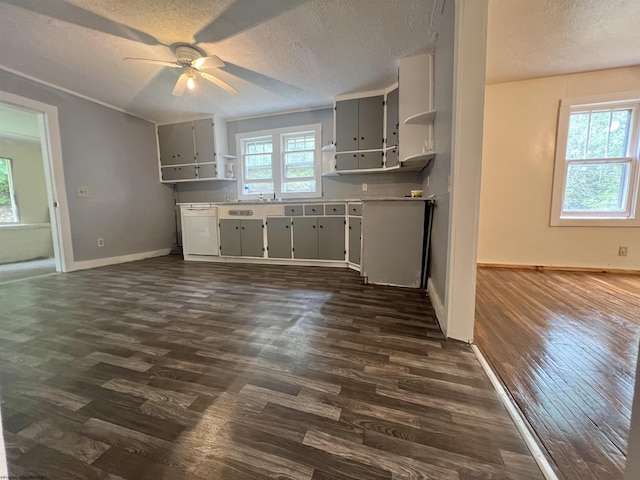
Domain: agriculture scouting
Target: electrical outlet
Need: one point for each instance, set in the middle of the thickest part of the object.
(83, 191)
(101, 242)
(622, 251)
(364, 187)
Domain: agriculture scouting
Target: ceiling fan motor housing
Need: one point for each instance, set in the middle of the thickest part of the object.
(186, 55)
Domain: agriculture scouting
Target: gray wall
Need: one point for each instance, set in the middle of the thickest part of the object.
(439, 170)
(335, 187)
(115, 156)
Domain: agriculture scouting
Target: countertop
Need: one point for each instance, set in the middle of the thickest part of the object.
(305, 200)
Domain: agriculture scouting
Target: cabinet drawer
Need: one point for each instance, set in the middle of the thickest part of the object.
(293, 210)
(334, 209)
(314, 209)
(178, 173)
(355, 209)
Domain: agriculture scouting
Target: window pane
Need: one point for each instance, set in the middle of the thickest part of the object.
(8, 212)
(255, 188)
(577, 137)
(308, 186)
(300, 142)
(299, 172)
(259, 173)
(596, 187)
(598, 134)
(619, 134)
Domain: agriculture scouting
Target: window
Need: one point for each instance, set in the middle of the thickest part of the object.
(8, 207)
(284, 161)
(596, 171)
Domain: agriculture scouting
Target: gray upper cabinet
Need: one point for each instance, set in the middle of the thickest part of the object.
(393, 119)
(331, 238)
(371, 159)
(176, 143)
(305, 238)
(392, 157)
(359, 124)
(205, 144)
(347, 125)
(346, 161)
(370, 120)
(279, 237)
(184, 172)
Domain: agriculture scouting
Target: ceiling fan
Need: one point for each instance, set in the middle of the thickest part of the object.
(193, 64)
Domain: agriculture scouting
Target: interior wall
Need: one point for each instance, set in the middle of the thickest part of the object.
(435, 178)
(21, 243)
(517, 174)
(333, 187)
(115, 155)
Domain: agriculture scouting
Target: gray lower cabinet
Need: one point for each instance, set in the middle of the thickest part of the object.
(319, 238)
(241, 238)
(331, 238)
(305, 238)
(279, 237)
(355, 240)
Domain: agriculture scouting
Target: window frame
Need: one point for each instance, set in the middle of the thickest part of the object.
(630, 216)
(12, 193)
(278, 161)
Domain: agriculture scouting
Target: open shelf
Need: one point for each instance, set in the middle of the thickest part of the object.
(417, 162)
(199, 180)
(228, 157)
(422, 118)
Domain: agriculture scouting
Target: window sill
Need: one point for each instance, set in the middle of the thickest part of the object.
(595, 222)
(23, 226)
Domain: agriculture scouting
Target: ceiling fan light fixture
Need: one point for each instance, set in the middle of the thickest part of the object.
(191, 83)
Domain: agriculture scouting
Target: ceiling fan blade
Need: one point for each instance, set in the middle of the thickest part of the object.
(220, 83)
(181, 85)
(155, 62)
(204, 63)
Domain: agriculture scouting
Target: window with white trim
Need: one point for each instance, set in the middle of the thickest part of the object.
(8, 207)
(596, 171)
(285, 162)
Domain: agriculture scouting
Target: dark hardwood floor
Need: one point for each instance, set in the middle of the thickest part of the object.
(565, 345)
(162, 369)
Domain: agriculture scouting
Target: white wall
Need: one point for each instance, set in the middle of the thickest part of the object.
(517, 175)
(115, 155)
(22, 243)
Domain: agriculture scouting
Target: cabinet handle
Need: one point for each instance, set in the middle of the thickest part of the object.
(355, 138)
(314, 226)
(335, 210)
(242, 228)
(361, 138)
(236, 228)
(321, 226)
(286, 226)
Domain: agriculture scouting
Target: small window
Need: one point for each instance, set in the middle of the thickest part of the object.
(596, 172)
(284, 162)
(8, 207)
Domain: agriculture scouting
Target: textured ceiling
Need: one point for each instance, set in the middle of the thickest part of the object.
(538, 38)
(280, 54)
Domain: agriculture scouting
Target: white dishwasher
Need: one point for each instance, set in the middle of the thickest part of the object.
(199, 230)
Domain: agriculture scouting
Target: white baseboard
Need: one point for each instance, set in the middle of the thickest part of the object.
(103, 262)
(438, 306)
(518, 419)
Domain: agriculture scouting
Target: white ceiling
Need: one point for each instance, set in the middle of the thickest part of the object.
(281, 55)
(290, 54)
(539, 38)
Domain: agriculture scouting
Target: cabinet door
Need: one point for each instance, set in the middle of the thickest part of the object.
(200, 235)
(371, 159)
(251, 238)
(346, 161)
(178, 173)
(204, 140)
(230, 237)
(176, 143)
(305, 238)
(370, 119)
(392, 157)
(208, 171)
(279, 237)
(391, 134)
(355, 239)
(331, 238)
(347, 125)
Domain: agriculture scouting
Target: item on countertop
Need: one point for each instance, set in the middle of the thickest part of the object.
(416, 193)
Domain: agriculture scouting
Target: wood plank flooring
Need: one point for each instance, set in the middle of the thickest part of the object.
(162, 369)
(565, 345)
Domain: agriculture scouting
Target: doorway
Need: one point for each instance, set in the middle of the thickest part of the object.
(34, 224)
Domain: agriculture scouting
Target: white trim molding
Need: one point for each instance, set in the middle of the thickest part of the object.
(103, 262)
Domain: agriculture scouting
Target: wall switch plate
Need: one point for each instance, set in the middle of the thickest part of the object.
(364, 187)
(83, 191)
(622, 251)
(101, 242)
